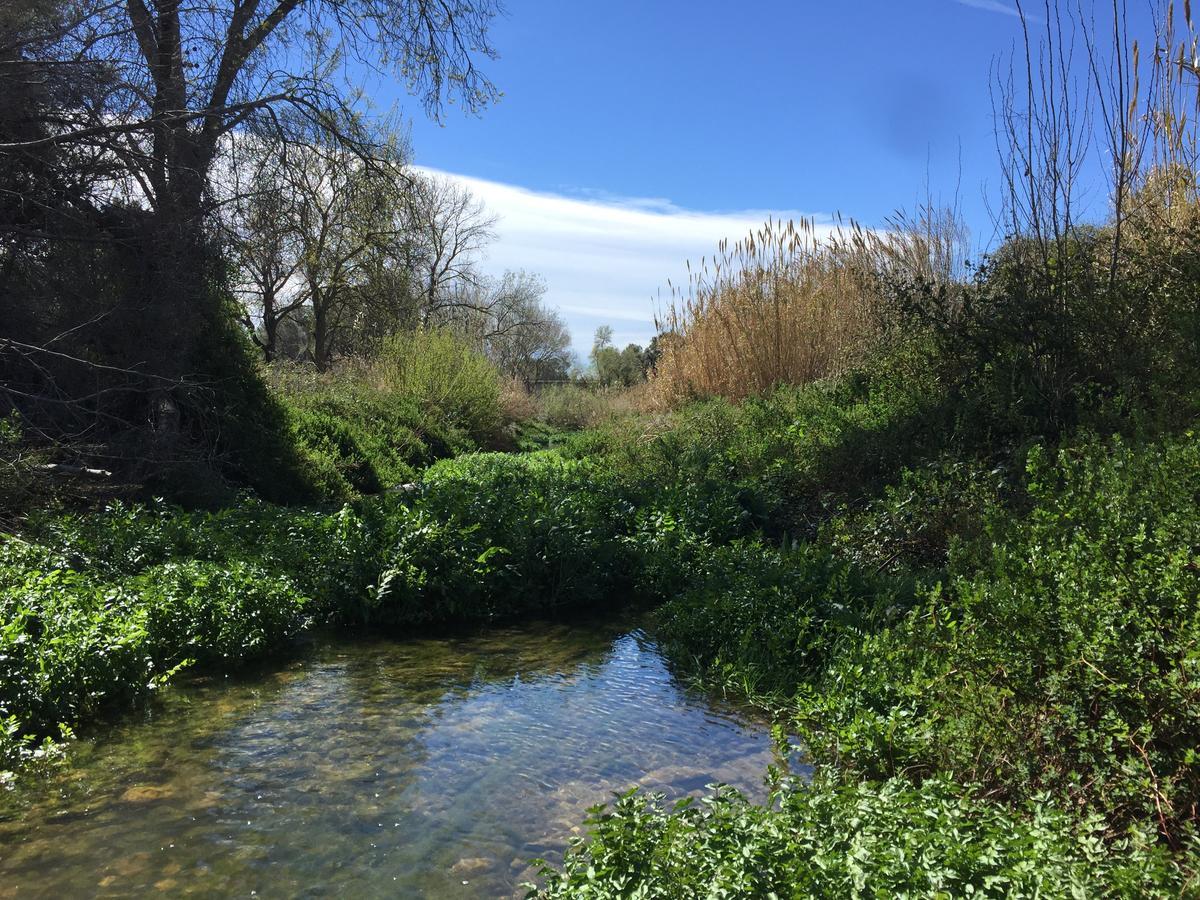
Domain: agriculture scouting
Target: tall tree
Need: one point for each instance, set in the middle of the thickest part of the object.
(263, 241)
(184, 75)
(180, 78)
(345, 216)
(616, 367)
(450, 227)
(508, 319)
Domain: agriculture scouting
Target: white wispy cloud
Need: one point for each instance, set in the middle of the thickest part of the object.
(604, 257)
(995, 6)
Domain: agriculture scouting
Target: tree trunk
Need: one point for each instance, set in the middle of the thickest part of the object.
(320, 332)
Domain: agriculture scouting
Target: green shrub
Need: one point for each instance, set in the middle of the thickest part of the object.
(912, 523)
(331, 557)
(533, 435)
(795, 456)
(446, 377)
(356, 439)
(831, 839)
(372, 425)
(770, 619)
(1061, 656)
(493, 535)
(208, 613)
(1084, 629)
(73, 646)
(1030, 344)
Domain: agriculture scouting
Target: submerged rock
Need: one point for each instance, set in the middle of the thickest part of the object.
(147, 793)
(472, 865)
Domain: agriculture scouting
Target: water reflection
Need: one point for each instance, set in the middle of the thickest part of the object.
(423, 768)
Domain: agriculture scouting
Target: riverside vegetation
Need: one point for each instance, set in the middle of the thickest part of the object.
(943, 520)
(981, 616)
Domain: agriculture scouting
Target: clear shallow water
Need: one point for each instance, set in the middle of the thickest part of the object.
(423, 768)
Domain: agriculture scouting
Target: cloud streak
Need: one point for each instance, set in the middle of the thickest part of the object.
(604, 257)
(991, 6)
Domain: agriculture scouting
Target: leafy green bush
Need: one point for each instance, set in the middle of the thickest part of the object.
(770, 619)
(374, 424)
(1083, 622)
(794, 456)
(72, 646)
(446, 377)
(912, 523)
(331, 557)
(1061, 656)
(208, 613)
(493, 535)
(1041, 335)
(534, 435)
(831, 839)
(357, 439)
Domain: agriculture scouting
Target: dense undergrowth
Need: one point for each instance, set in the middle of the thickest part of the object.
(1001, 648)
(425, 396)
(966, 574)
(836, 838)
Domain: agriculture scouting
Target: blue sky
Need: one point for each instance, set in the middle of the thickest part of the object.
(634, 135)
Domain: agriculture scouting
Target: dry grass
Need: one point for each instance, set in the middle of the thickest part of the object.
(574, 406)
(516, 403)
(789, 305)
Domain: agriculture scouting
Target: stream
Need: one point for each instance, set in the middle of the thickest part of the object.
(432, 767)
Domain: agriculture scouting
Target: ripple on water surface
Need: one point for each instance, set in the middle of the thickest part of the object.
(434, 768)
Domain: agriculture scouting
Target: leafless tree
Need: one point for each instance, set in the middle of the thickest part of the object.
(264, 244)
(1077, 98)
(450, 228)
(508, 320)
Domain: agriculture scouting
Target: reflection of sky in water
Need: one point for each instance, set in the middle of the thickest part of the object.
(375, 768)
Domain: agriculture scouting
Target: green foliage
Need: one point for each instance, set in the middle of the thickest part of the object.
(1081, 627)
(97, 609)
(768, 619)
(911, 524)
(571, 406)
(796, 455)
(534, 435)
(248, 425)
(331, 557)
(833, 839)
(619, 368)
(1060, 655)
(359, 439)
(210, 613)
(427, 396)
(1056, 659)
(446, 378)
(1039, 335)
(493, 535)
(74, 644)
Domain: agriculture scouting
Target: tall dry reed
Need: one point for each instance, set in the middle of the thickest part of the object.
(793, 302)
